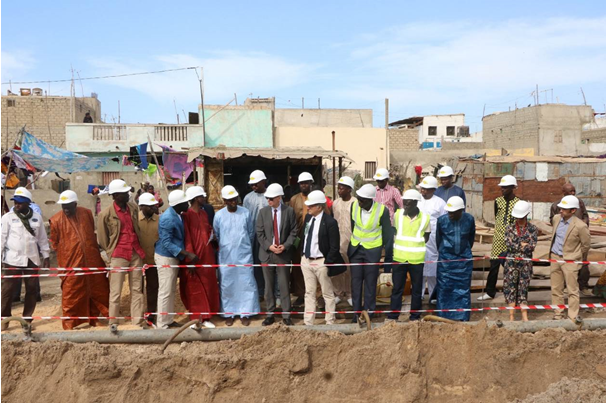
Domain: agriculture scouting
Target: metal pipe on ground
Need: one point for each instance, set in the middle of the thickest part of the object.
(219, 334)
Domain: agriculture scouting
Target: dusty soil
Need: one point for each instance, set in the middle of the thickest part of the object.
(418, 362)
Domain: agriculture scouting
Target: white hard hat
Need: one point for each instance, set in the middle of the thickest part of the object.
(345, 180)
(305, 176)
(454, 203)
(147, 199)
(315, 198)
(194, 191)
(508, 180)
(176, 197)
(274, 190)
(569, 202)
(445, 171)
(429, 182)
(229, 192)
(367, 191)
(412, 195)
(117, 187)
(381, 174)
(67, 197)
(256, 176)
(21, 191)
(521, 209)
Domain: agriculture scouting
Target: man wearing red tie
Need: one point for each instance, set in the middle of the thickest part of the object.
(276, 232)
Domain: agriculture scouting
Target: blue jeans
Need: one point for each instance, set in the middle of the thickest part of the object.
(399, 281)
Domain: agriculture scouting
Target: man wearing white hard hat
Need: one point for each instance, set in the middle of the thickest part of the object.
(412, 233)
(297, 202)
(255, 201)
(455, 234)
(341, 210)
(118, 235)
(320, 247)
(371, 232)
(581, 213)
(170, 250)
(72, 236)
(198, 286)
(23, 241)
(570, 241)
(277, 232)
(521, 239)
(448, 188)
(235, 232)
(148, 232)
(434, 206)
(503, 206)
(389, 197)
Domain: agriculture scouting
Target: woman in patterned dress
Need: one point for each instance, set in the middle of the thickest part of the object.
(521, 240)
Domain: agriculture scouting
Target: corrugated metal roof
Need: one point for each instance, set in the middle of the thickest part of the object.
(273, 153)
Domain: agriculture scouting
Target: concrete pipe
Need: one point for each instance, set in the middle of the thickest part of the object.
(218, 334)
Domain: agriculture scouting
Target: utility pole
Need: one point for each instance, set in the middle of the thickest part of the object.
(334, 168)
(387, 133)
(537, 96)
(201, 79)
(302, 102)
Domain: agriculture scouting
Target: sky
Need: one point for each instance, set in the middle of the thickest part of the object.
(472, 57)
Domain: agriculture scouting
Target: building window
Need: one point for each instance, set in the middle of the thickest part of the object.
(109, 176)
(450, 131)
(10, 103)
(370, 168)
(432, 131)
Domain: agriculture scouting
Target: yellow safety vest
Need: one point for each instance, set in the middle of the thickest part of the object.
(370, 234)
(409, 245)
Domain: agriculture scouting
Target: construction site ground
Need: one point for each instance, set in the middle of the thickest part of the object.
(419, 361)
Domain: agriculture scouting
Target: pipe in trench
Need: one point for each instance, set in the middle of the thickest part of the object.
(219, 334)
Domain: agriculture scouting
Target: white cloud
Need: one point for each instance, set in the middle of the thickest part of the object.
(225, 73)
(436, 63)
(16, 64)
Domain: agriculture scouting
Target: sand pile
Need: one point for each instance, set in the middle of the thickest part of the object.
(418, 362)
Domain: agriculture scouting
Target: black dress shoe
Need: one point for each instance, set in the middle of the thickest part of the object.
(299, 302)
(354, 320)
(268, 321)
(287, 321)
(174, 324)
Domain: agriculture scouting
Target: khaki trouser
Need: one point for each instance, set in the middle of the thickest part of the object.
(167, 289)
(565, 276)
(314, 271)
(135, 283)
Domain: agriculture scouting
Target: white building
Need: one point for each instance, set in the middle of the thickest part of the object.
(436, 129)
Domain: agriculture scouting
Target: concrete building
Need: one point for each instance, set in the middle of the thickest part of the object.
(44, 116)
(433, 130)
(547, 130)
(323, 118)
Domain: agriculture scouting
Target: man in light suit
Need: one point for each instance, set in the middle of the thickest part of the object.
(570, 240)
(276, 232)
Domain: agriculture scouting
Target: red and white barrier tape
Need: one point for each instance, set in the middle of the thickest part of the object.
(277, 313)
(94, 270)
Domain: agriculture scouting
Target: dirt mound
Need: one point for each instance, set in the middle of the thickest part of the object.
(417, 362)
(571, 391)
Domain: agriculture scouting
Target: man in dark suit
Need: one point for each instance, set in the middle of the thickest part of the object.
(320, 247)
(276, 232)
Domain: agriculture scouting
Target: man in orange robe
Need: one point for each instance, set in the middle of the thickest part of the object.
(198, 286)
(72, 235)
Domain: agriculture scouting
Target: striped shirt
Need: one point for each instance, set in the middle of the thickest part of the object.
(390, 197)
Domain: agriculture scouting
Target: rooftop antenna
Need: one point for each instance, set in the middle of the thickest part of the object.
(175, 104)
(584, 100)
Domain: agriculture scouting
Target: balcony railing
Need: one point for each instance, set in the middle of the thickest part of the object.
(109, 132)
(166, 133)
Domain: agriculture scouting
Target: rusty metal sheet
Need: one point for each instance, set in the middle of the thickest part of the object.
(577, 169)
(525, 170)
(600, 169)
(553, 170)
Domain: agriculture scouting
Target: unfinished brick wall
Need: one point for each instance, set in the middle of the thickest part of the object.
(512, 130)
(43, 117)
(403, 139)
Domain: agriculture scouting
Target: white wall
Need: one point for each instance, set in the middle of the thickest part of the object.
(441, 122)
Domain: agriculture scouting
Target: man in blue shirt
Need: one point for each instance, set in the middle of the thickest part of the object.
(170, 248)
(448, 188)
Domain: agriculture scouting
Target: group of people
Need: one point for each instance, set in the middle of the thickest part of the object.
(304, 248)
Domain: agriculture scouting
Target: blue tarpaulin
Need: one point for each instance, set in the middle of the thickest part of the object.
(45, 156)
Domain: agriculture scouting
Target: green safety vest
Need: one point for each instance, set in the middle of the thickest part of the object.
(409, 244)
(370, 234)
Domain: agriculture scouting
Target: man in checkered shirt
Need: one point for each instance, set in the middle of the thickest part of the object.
(392, 199)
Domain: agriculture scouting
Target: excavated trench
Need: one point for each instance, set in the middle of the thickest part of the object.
(405, 363)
